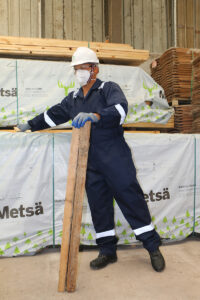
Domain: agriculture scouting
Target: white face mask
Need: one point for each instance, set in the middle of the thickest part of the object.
(82, 77)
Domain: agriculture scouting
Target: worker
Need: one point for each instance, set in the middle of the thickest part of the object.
(110, 171)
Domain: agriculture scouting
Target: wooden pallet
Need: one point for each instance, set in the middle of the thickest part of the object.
(145, 125)
(56, 49)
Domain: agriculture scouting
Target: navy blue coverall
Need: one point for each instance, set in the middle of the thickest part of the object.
(110, 171)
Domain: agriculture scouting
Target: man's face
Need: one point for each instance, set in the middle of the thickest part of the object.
(89, 67)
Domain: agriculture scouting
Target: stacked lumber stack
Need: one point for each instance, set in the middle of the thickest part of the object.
(183, 118)
(173, 72)
(196, 95)
(55, 49)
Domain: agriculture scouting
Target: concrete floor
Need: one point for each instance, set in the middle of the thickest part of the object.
(132, 277)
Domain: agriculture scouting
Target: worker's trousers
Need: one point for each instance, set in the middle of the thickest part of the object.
(111, 174)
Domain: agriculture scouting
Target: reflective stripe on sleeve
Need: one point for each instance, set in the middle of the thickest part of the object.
(105, 233)
(144, 229)
(48, 120)
(122, 113)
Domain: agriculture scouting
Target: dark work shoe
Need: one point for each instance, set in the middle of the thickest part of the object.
(102, 261)
(157, 260)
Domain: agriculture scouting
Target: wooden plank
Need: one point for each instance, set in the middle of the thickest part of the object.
(67, 19)
(72, 269)
(169, 124)
(73, 208)
(156, 16)
(3, 17)
(181, 23)
(51, 48)
(77, 31)
(97, 11)
(25, 18)
(115, 21)
(13, 16)
(35, 22)
(197, 24)
(189, 24)
(48, 19)
(58, 19)
(148, 26)
(127, 24)
(68, 209)
(163, 37)
(87, 20)
(8, 40)
(138, 33)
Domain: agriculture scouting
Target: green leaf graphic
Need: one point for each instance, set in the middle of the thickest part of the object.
(7, 246)
(118, 223)
(124, 232)
(28, 241)
(1, 252)
(126, 242)
(187, 214)
(16, 250)
(165, 220)
(50, 232)
(83, 231)
(90, 236)
(15, 239)
(39, 233)
(174, 220)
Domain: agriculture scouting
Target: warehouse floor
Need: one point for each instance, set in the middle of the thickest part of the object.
(36, 277)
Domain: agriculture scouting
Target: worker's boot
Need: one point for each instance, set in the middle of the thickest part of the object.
(102, 261)
(157, 260)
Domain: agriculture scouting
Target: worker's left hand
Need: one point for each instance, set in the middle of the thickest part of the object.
(82, 118)
(22, 127)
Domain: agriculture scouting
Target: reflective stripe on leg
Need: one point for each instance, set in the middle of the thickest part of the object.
(105, 233)
(144, 229)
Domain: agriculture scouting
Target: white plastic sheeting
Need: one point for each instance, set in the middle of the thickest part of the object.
(33, 182)
(29, 87)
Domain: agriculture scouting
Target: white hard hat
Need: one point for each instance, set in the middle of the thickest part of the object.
(84, 55)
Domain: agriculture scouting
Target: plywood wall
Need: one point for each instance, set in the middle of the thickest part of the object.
(145, 24)
(20, 18)
(74, 19)
(188, 23)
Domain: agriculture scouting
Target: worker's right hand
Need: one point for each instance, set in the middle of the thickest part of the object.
(22, 127)
(80, 120)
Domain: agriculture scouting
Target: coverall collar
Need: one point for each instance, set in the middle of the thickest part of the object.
(95, 86)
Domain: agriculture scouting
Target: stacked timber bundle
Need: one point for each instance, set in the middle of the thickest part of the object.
(183, 118)
(55, 49)
(174, 70)
(196, 95)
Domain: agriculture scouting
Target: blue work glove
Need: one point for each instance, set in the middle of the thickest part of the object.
(82, 118)
(23, 127)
